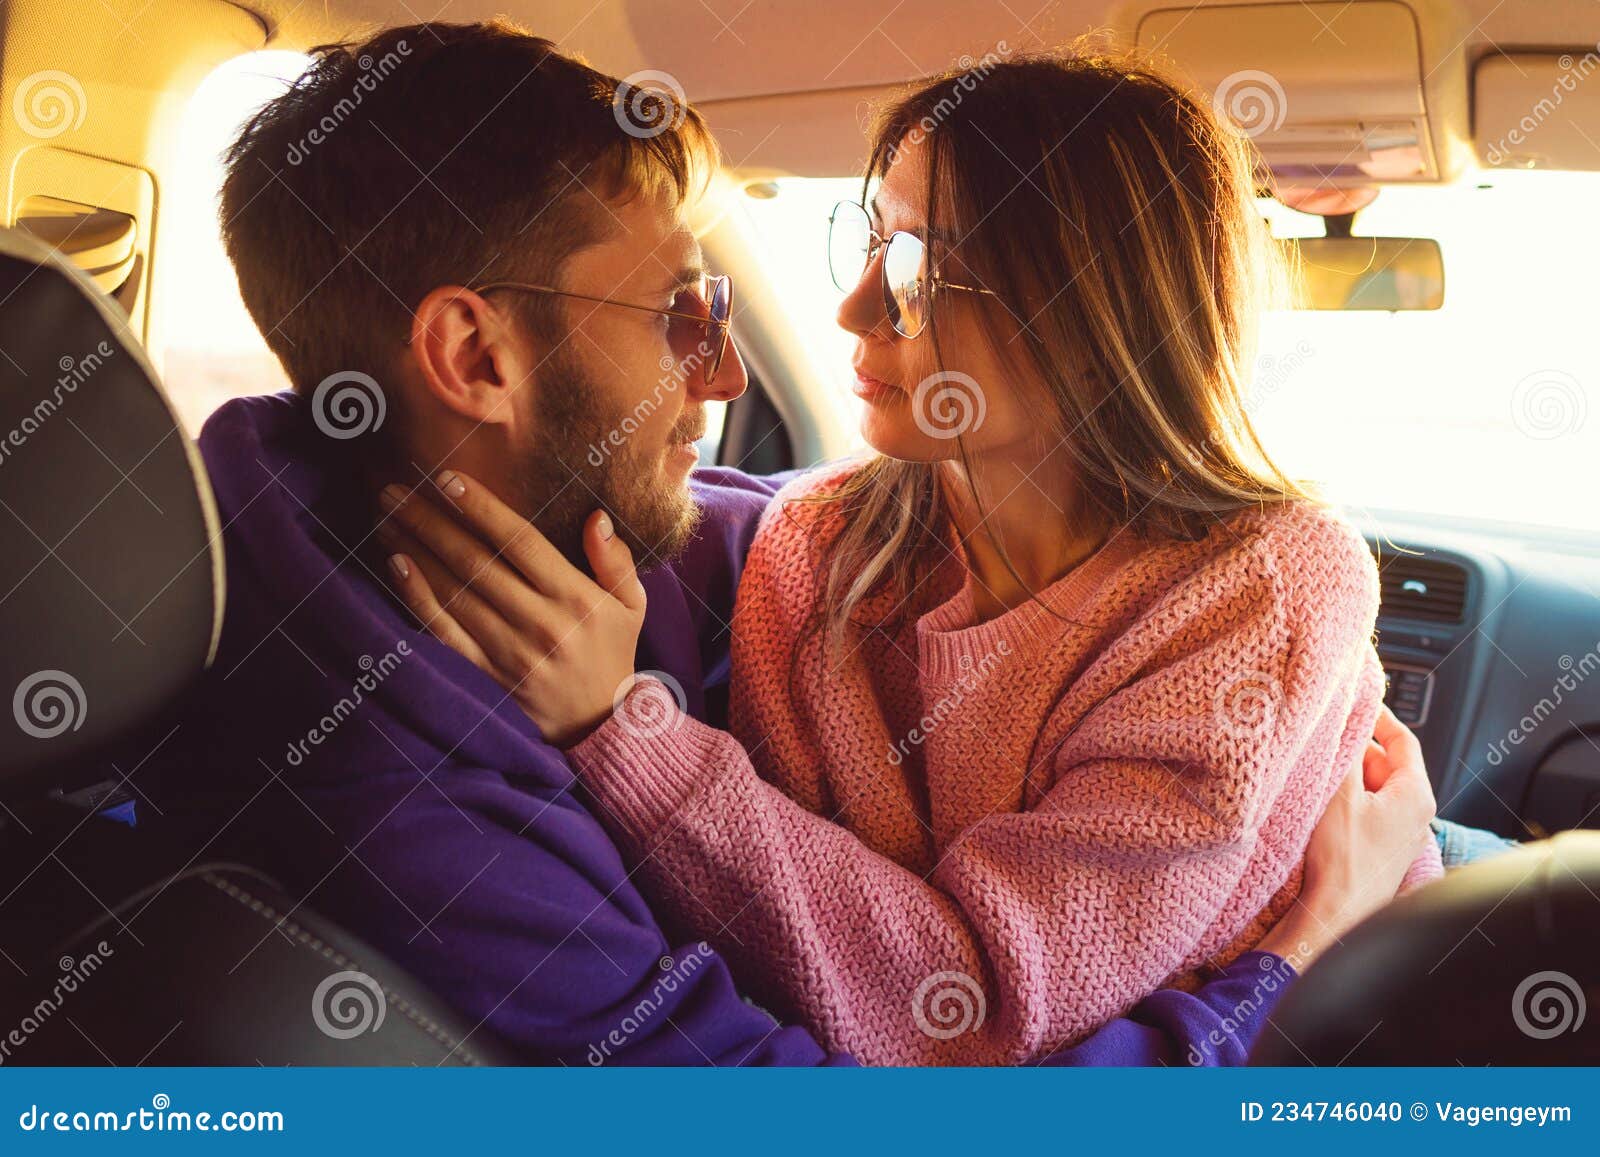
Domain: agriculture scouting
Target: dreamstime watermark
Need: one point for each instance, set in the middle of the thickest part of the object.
(1251, 102)
(49, 103)
(649, 704)
(972, 674)
(948, 1004)
(160, 1117)
(375, 673)
(972, 73)
(1547, 1004)
(1573, 72)
(73, 974)
(1246, 704)
(49, 703)
(1276, 973)
(673, 974)
(649, 103)
(347, 1004)
(1549, 404)
(1576, 671)
(348, 404)
(948, 404)
(74, 372)
(675, 372)
(373, 73)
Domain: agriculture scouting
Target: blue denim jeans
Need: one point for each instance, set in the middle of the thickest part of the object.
(1460, 845)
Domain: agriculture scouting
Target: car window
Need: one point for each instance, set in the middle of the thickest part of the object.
(1479, 409)
(210, 349)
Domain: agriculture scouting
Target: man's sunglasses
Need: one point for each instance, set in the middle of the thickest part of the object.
(908, 286)
(706, 340)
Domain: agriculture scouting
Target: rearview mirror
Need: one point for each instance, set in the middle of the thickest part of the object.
(1389, 273)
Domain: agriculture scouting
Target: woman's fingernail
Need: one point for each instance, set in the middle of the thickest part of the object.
(450, 482)
(390, 497)
(401, 567)
(603, 524)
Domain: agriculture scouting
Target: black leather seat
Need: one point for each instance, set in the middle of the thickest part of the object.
(1497, 964)
(111, 603)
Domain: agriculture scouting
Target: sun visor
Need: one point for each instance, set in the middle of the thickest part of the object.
(1533, 110)
(1330, 93)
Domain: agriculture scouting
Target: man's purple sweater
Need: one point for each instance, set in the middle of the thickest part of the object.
(394, 786)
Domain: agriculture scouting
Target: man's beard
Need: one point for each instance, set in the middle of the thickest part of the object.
(562, 486)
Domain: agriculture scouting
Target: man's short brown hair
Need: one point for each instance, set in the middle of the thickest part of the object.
(433, 154)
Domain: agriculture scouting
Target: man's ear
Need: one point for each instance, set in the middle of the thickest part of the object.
(469, 354)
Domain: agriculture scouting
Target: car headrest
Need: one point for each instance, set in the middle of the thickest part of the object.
(111, 576)
(1498, 963)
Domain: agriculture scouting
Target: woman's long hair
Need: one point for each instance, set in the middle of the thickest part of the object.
(1115, 218)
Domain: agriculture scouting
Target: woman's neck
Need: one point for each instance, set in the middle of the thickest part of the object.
(1034, 512)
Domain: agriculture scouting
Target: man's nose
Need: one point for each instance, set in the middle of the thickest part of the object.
(731, 380)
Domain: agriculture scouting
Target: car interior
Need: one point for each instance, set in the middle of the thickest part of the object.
(1430, 161)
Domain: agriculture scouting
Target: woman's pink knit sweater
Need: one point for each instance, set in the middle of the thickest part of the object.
(973, 843)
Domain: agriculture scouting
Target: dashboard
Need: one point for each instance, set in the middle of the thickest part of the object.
(1490, 636)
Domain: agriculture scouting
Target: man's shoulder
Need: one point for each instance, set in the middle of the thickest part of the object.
(739, 508)
(731, 504)
(241, 424)
(265, 440)
(730, 498)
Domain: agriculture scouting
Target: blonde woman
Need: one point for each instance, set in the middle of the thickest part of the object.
(1035, 709)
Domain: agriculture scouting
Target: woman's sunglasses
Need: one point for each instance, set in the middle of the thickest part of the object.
(908, 286)
(703, 337)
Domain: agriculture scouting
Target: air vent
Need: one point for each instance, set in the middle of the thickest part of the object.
(1410, 692)
(1415, 587)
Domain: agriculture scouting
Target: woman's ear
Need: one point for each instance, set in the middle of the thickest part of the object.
(469, 354)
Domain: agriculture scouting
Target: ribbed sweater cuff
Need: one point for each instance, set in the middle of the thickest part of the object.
(643, 765)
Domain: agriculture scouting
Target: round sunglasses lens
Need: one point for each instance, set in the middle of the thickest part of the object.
(693, 342)
(849, 237)
(721, 299)
(906, 283)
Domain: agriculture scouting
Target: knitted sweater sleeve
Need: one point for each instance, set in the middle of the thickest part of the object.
(1172, 812)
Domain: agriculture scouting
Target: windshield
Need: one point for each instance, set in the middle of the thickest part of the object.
(1477, 410)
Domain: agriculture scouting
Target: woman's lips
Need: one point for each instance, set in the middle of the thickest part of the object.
(871, 389)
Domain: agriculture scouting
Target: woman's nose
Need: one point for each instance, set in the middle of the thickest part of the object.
(861, 312)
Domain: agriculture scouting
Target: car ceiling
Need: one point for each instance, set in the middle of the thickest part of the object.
(814, 67)
(725, 49)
